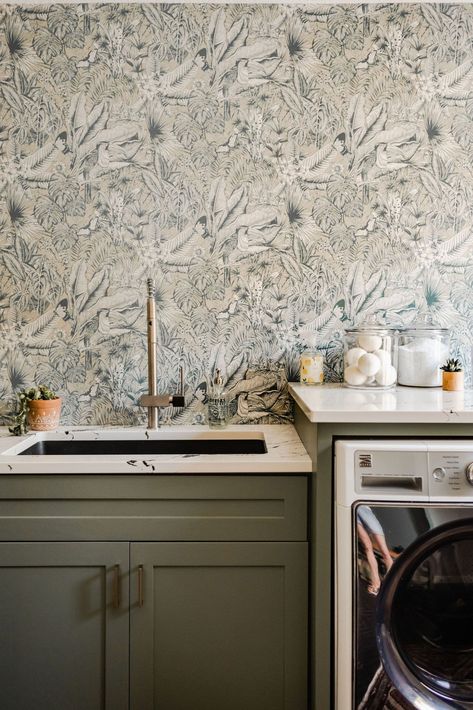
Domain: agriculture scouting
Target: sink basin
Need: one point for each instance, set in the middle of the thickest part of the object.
(116, 451)
(154, 447)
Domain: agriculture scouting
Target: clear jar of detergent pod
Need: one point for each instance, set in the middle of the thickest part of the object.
(422, 350)
(370, 357)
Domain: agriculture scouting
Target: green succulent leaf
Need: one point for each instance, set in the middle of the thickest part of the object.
(452, 365)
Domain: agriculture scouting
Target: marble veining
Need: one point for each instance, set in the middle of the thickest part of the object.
(285, 452)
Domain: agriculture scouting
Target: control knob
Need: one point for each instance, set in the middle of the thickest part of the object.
(439, 473)
(469, 473)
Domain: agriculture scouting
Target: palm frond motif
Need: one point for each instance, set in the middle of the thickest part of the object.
(17, 210)
(273, 169)
(17, 374)
(16, 41)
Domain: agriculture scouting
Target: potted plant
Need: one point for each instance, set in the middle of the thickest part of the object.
(40, 409)
(452, 378)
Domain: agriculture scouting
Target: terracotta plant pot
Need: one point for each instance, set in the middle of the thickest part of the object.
(452, 381)
(43, 414)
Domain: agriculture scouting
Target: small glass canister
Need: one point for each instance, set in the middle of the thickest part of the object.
(370, 357)
(311, 361)
(422, 350)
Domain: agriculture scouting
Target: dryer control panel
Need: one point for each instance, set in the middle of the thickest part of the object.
(451, 473)
(404, 469)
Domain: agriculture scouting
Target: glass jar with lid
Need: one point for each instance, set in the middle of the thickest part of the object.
(311, 361)
(422, 350)
(369, 357)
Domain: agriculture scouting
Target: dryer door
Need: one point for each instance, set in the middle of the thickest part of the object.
(424, 625)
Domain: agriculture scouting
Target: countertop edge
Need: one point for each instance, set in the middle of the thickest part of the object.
(374, 413)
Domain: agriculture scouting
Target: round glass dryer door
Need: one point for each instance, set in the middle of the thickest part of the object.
(425, 619)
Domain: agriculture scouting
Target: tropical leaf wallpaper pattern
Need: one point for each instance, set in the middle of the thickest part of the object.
(276, 169)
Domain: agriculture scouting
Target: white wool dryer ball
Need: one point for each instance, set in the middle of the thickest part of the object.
(383, 356)
(353, 376)
(386, 376)
(370, 342)
(353, 355)
(369, 364)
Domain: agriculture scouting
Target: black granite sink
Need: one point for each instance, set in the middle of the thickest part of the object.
(153, 447)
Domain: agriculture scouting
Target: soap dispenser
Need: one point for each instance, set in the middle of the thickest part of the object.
(217, 403)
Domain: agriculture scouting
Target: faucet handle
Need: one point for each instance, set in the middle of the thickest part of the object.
(178, 400)
(181, 380)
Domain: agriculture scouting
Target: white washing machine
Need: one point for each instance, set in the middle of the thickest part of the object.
(403, 574)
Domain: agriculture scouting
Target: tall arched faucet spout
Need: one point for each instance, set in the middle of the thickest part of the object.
(152, 400)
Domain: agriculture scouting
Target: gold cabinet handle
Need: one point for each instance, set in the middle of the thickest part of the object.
(141, 600)
(116, 586)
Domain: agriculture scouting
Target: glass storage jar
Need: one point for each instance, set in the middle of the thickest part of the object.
(422, 350)
(311, 369)
(369, 358)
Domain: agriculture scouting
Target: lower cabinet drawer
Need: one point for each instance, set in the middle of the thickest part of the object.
(181, 508)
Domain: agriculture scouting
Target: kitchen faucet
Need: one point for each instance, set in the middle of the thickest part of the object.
(154, 401)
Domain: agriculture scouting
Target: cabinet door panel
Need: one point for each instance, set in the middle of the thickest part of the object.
(221, 626)
(63, 643)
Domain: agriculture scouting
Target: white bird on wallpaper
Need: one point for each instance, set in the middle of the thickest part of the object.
(257, 230)
(230, 310)
(231, 57)
(394, 148)
(38, 334)
(91, 133)
(370, 59)
(231, 219)
(89, 228)
(114, 156)
(185, 249)
(175, 86)
(89, 396)
(118, 312)
(38, 167)
(90, 59)
(255, 65)
(230, 143)
(395, 151)
(367, 228)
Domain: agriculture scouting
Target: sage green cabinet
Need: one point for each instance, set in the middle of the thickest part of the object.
(218, 625)
(153, 592)
(63, 626)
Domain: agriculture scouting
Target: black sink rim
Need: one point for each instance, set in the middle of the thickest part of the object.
(146, 447)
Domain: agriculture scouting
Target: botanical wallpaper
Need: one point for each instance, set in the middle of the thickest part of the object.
(276, 169)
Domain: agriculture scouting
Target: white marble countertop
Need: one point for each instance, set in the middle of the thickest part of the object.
(402, 405)
(285, 452)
